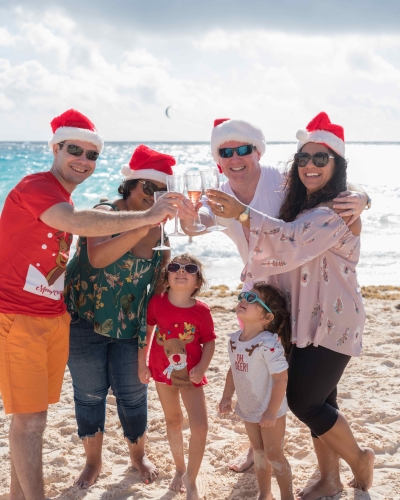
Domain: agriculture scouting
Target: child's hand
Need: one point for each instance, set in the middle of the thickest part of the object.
(268, 419)
(225, 406)
(144, 374)
(196, 374)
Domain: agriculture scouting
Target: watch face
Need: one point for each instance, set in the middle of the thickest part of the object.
(243, 217)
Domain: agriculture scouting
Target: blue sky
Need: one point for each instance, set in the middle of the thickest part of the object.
(274, 63)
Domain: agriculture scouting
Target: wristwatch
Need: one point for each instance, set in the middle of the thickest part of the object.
(368, 205)
(244, 215)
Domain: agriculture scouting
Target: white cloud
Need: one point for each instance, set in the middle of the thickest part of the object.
(6, 38)
(278, 80)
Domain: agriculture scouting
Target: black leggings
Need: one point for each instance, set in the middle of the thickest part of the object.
(314, 373)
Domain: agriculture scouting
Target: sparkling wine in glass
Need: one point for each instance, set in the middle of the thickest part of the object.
(161, 246)
(176, 183)
(194, 189)
(210, 179)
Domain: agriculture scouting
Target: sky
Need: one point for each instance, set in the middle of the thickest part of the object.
(274, 63)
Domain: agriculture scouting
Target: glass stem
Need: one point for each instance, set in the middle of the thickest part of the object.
(176, 224)
(162, 234)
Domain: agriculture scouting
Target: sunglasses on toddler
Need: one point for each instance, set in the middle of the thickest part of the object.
(251, 297)
(319, 159)
(174, 267)
(78, 151)
(150, 188)
(240, 151)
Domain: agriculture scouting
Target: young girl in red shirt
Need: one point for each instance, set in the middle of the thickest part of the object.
(181, 340)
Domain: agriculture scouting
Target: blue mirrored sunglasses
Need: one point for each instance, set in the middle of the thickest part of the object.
(240, 151)
(251, 297)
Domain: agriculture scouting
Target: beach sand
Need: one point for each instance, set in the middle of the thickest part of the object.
(369, 395)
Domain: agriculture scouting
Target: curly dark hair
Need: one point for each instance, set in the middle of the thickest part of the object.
(126, 187)
(297, 200)
(190, 259)
(276, 301)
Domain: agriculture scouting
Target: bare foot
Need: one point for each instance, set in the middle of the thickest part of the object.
(88, 476)
(177, 482)
(365, 472)
(194, 491)
(243, 461)
(147, 470)
(320, 489)
(267, 496)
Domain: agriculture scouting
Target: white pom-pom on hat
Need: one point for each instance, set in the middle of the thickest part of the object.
(125, 170)
(301, 135)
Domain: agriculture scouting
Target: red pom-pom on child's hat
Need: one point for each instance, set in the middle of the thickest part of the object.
(73, 125)
(322, 131)
(146, 163)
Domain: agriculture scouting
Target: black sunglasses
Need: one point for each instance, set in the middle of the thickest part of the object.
(319, 159)
(78, 151)
(174, 267)
(150, 188)
(240, 151)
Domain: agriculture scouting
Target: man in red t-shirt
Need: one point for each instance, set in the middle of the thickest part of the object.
(36, 228)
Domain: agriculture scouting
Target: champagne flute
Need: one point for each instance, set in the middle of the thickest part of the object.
(194, 190)
(161, 246)
(176, 183)
(210, 179)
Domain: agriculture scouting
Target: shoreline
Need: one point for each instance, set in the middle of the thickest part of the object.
(369, 396)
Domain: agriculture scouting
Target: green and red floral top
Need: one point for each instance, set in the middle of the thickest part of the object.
(113, 298)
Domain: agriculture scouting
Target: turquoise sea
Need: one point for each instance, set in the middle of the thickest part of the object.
(375, 166)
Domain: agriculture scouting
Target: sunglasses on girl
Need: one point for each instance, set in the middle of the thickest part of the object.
(240, 151)
(150, 188)
(251, 297)
(319, 159)
(78, 151)
(174, 267)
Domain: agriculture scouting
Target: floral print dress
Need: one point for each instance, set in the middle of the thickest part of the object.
(313, 261)
(113, 298)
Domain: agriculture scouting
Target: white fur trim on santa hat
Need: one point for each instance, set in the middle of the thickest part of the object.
(321, 137)
(236, 130)
(149, 173)
(77, 134)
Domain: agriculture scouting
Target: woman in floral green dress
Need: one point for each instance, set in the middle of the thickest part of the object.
(108, 285)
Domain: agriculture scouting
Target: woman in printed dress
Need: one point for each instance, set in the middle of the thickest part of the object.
(311, 255)
(108, 285)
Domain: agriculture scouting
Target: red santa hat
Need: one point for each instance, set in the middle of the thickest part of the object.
(148, 164)
(72, 125)
(321, 130)
(226, 129)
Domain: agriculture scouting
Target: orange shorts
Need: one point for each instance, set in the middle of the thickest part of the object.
(33, 355)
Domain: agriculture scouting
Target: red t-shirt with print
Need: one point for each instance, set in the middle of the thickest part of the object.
(188, 328)
(33, 255)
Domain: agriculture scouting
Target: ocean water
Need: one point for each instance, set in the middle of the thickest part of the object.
(374, 166)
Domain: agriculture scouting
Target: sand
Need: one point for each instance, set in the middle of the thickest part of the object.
(369, 395)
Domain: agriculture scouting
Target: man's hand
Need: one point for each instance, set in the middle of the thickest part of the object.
(165, 207)
(187, 211)
(144, 374)
(268, 419)
(196, 374)
(223, 204)
(352, 203)
(225, 406)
